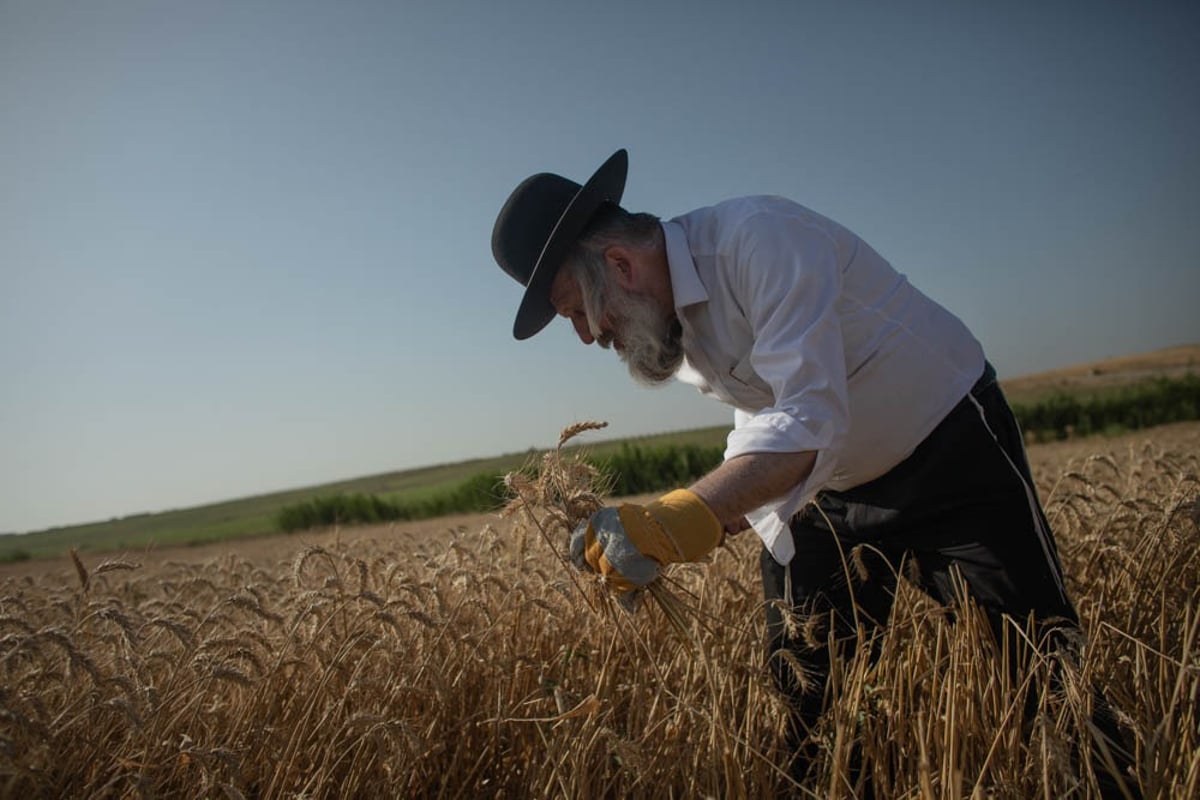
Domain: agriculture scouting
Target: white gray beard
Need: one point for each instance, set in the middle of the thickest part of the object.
(652, 344)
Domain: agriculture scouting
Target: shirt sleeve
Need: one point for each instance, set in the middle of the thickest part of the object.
(786, 276)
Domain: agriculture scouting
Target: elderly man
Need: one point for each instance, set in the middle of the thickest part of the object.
(865, 413)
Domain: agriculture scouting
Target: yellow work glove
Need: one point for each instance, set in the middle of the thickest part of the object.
(628, 545)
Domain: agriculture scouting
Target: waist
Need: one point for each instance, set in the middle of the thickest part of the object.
(985, 380)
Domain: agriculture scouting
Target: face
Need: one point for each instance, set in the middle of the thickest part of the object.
(648, 340)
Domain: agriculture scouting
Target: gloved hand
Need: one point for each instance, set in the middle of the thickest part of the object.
(629, 544)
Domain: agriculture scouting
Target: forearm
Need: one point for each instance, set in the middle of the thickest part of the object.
(747, 482)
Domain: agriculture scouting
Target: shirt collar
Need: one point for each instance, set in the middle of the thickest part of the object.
(686, 288)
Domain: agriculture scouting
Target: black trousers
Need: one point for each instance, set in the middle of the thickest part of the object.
(963, 502)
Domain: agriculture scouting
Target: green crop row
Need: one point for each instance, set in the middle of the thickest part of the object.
(481, 492)
(1142, 405)
(635, 469)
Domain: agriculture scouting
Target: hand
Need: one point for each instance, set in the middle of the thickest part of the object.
(628, 545)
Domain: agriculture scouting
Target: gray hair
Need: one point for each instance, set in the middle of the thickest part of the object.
(611, 225)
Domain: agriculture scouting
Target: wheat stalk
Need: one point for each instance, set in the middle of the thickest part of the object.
(416, 665)
(569, 491)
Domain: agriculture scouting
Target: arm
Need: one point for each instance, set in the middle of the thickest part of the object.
(746, 482)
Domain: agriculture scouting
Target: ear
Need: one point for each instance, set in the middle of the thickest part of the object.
(621, 260)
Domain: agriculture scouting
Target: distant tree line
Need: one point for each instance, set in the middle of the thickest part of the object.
(639, 469)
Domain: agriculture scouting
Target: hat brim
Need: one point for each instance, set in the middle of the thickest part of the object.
(606, 185)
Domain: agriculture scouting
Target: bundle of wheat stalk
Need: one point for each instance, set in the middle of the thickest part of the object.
(475, 662)
(560, 493)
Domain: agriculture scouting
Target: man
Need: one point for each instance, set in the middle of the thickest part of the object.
(865, 413)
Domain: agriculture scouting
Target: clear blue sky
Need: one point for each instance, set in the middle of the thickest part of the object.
(244, 246)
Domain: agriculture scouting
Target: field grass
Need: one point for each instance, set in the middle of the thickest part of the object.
(395, 663)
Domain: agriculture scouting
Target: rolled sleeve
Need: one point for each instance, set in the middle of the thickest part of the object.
(789, 277)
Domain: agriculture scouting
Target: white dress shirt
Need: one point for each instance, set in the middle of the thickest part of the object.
(817, 343)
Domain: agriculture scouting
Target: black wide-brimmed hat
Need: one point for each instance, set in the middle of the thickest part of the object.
(538, 225)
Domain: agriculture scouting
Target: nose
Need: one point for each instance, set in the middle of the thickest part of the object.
(581, 329)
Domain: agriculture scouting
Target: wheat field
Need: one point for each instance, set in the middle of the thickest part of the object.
(473, 662)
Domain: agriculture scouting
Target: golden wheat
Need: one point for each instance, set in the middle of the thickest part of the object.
(479, 663)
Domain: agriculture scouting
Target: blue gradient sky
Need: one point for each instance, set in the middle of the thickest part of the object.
(244, 246)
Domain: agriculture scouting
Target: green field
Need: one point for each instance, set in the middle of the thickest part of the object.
(255, 516)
